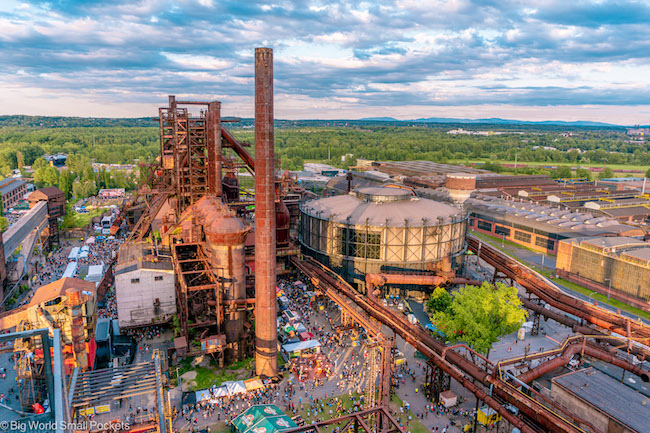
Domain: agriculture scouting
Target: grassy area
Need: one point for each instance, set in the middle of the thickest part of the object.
(615, 167)
(549, 273)
(602, 298)
(73, 219)
(207, 376)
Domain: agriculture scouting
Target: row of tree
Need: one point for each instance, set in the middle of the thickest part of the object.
(119, 144)
(79, 178)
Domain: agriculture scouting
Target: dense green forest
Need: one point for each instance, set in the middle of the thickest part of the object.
(23, 139)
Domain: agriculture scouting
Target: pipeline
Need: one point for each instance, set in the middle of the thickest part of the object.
(453, 364)
(549, 293)
(238, 148)
(558, 317)
(572, 347)
(378, 280)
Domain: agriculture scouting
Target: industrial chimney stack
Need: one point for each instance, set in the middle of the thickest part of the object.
(266, 338)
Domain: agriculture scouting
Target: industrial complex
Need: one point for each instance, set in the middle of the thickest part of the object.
(283, 304)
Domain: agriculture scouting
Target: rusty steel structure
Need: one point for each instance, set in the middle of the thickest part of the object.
(266, 333)
(605, 321)
(470, 369)
(192, 211)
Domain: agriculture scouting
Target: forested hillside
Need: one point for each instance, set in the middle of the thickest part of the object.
(297, 141)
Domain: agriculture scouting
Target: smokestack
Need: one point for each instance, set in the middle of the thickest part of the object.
(213, 120)
(266, 338)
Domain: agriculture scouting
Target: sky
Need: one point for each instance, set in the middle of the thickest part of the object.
(339, 59)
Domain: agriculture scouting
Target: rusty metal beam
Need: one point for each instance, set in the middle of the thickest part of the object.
(456, 365)
(540, 287)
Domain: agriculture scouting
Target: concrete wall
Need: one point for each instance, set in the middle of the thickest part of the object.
(586, 412)
(628, 279)
(135, 300)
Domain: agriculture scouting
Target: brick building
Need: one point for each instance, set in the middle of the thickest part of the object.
(12, 190)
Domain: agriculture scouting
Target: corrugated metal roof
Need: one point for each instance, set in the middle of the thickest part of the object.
(9, 184)
(628, 407)
(348, 209)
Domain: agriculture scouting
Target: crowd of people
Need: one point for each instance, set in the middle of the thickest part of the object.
(227, 408)
(109, 307)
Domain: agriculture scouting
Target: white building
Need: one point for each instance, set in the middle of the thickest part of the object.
(144, 285)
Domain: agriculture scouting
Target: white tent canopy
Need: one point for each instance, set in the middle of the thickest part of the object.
(95, 273)
(70, 270)
(233, 388)
(302, 345)
(73, 253)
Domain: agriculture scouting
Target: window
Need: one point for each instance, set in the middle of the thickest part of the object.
(135, 280)
(522, 236)
(471, 222)
(359, 243)
(159, 278)
(484, 226)
(502, 231)
(544, 243)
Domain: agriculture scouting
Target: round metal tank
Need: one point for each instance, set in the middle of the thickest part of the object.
(382, 229)
(225, 239)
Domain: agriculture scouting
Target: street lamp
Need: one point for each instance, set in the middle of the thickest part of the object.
(592, 294)
(609, 286)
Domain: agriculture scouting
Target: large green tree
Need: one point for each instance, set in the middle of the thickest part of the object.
(439, 301)
(583, 173)
(606, 173)
(479, 316)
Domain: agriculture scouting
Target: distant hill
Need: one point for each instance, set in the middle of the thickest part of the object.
(247, 123)
(381, 119)
(498, 121)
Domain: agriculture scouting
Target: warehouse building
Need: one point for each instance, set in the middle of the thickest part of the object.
(588, 393)
(12, 190)
(381, 229)
(145, 285)
(536, 226)
(618, 267)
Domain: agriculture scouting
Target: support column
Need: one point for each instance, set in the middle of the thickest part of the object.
(266, 338)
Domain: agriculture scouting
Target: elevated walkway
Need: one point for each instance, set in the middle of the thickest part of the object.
(18, 232)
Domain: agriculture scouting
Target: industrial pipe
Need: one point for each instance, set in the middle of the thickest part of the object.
(535, 284)
(266, 333)
(431, 348)
(558, 317)
(213, 132)
(238, 148)
(378, 280)
(580, 345)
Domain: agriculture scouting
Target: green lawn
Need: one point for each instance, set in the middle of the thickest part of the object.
(212, 374)
(602, 298)
(615, 167)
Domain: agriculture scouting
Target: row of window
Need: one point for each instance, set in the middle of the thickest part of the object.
(137, 280)
(548, 244)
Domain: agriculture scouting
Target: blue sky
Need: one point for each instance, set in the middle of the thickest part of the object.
(523, 59)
